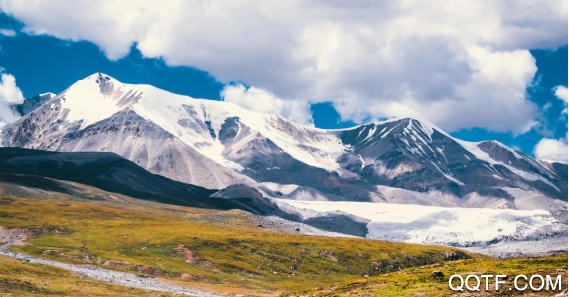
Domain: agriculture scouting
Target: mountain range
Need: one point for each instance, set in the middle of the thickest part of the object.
(216, 144)
(398, 180)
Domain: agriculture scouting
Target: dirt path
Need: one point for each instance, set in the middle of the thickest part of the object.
(111, 276)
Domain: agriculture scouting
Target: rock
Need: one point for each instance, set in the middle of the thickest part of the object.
(117, 264)
(22, 243)
(437, 274)
(329, 255)
(208, 264)
(188, 276)
(150, 270)
(190, 257)
(51, 252)
(455, 255)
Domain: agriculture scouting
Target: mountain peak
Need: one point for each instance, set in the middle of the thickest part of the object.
(100, 75)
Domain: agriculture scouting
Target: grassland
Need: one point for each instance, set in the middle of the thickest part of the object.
(418, 281)
(220, 251)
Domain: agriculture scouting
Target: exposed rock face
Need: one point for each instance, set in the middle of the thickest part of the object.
(31, 103)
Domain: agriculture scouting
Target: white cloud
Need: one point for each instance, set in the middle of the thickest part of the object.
(561, 93)
(262, 101)
(461, 64)
(551, 149)
(492, 97)
(10, 95)
(547, 106)
(7, 32)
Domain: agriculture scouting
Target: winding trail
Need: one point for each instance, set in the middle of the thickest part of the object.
(111, 276)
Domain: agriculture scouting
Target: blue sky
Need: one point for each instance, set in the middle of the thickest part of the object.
(48, 60)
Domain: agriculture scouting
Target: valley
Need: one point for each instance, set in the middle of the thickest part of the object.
(109, 184)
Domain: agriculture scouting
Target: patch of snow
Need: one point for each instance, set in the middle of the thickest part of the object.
(370, 133)
(473, 148)
(49, 94)
(428, 128)
(387, 133)
(362, 160)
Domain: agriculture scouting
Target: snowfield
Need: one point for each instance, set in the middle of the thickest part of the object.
(462, 227)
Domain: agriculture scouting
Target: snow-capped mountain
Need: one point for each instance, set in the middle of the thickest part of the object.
(217, 144)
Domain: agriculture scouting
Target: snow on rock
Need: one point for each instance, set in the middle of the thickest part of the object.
(99, 96)
(86, 103)
(48, 95)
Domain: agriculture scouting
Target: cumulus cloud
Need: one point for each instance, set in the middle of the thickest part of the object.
(551, 149)
(10, 95)
(262, 101)
(461, 64)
